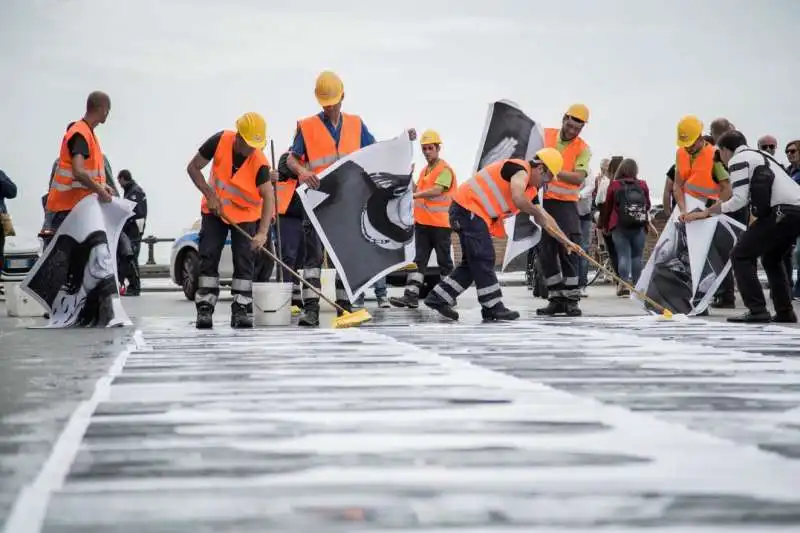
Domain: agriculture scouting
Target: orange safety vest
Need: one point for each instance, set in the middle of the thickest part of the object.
(434, 211)
(488, 195)
(285, 191)
(557, 189)
(66, 192)
(321, 151)
(241, 201)
(698, 175)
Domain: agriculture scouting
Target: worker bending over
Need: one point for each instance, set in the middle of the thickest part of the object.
(239, 190)
(479, 206)
(561, 270)
(435, 188)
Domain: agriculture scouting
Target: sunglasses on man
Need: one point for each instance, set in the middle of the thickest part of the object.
(767, 147)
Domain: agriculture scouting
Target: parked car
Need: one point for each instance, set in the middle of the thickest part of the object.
(20, 254)
(185, 262)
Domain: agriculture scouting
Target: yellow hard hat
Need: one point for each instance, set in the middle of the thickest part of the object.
(329, 89)
(430, 137)
(579, 111)
(253, 129)
(689, 130)
(552, 159)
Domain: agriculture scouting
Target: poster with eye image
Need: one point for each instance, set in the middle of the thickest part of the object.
(75, 279)
(363, 212)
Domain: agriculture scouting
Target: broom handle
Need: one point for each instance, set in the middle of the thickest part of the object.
(621, 281)
(279, 251)
(284, 265)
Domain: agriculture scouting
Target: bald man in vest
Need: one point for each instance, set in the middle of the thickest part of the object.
(561, 270)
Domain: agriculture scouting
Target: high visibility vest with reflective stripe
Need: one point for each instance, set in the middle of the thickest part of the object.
(434, 211)
(285, 190)
(66, 192)
(241, 201)
(321, 151)
(557, 189)
(488, 195)
(698, 175)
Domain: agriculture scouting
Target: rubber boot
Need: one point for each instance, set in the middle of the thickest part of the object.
(239, 317)
(205, 314)
(407, 300)
(571, 309)
(441, 307)
(309, 318)
(553, 308)
(752, 318)
(497, 313)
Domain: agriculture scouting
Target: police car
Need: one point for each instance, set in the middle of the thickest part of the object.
(20, 254)
(184, 262)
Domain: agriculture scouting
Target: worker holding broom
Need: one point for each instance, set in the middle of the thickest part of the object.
(239, 193)
(479, 206)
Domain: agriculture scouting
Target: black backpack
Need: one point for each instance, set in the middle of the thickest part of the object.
(631, 205)
(761, 181)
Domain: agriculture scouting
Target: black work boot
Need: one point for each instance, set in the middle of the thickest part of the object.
(310, 317)
(239, 317)
(407, 300)
(785, 317)
(441, 307)
(553, 308)
(761, 317)
(205, 314)
(723, 303)
(344, 304)
(571, 309)
(497, 313)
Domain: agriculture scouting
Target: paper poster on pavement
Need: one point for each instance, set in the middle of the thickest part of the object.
(75, 279)
(363, 212)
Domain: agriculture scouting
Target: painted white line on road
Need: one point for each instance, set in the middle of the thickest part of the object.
(30, 507)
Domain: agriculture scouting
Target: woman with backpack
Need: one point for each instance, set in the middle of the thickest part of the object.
(626, 219)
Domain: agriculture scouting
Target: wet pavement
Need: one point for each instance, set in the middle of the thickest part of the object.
(605, 422)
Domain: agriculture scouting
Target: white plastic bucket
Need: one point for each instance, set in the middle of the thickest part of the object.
(272, 304)
(19, 304)
(328, 281)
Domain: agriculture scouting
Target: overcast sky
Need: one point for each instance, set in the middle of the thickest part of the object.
(178, 71)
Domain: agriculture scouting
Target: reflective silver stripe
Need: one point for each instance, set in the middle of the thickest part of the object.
(245, 285)
(483, 199)
(440, 198)
(563, 190)
(312, 273)
(235, 191)
(488, 290)
(498, 195)
(241, 299)
(571, 281)
(454, 284)
(67, 173)
(416, 277)
(308, 294)
(208, 298)
(701, 190)
(208, 282)
(327, 160)
(433, 209)
(63, 187)
(554, 279)
(443, 293)
(492, 302)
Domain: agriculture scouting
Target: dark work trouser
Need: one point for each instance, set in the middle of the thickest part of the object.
(292, 253)
(213, 234)
(727, 290)
(2, 247)
(477, 262)
(561, 270)
(263, 264)
(53, 223)
(768, 238)
(312, 270)
(429, 239)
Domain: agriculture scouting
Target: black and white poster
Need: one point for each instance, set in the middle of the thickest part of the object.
(690, 261)
(75, 279)
(363, 212)
(523, 234)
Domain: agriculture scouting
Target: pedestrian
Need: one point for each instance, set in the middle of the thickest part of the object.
(604, 215)
(320, 140)
(432, 233)
(774, 200)
(240, 190)
(768, 143)
(479, 206)
(80, 170)
(585, 211)
(793, 169)
(561, 195)
(133, 229)
(627, 219)
(700, 174)
(8, 191)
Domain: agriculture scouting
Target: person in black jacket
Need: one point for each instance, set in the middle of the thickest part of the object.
(133, 230)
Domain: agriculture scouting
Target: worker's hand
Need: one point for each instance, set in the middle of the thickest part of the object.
(274, 177)
(306, 177)
(259, 240)
(691, 217)
(503, 150)
(213, 203)
(105, 194)
(412, 134)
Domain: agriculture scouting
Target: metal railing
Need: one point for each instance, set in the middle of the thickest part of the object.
(151, 242)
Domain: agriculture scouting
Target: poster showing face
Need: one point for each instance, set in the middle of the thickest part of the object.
(363, 211)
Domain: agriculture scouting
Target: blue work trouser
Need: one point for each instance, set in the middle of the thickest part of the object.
(312, 270)
(477, 262)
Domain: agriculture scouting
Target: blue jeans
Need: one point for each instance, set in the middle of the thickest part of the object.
(380, 291)
(586, 241)
(629, 243)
